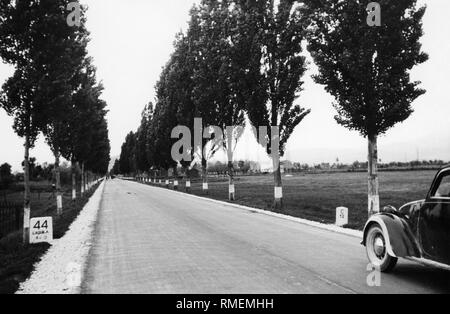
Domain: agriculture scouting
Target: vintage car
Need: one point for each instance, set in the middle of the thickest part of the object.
(419, 230)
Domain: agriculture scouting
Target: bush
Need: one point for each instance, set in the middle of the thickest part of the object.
(6, 177)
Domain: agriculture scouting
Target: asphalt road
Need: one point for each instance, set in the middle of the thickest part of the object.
(152, 240)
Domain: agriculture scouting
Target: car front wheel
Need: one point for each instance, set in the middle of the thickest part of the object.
(376, 249)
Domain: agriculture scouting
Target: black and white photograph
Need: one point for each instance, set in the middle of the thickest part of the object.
(224, 155)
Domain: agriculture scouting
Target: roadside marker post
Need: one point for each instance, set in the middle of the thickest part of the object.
(188, 186)
(341, 216)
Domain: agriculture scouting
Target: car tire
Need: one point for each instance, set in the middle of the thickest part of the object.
(376, 250)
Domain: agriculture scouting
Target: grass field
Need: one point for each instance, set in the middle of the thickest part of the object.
(42, 197)
(316, 196)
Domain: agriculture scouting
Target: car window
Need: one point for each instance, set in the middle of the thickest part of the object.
(443, 189)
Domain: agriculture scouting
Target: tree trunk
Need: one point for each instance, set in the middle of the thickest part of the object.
(26, 195)
(188, 181)
(175, 178)
(231, 187)
(373, 195)
(58, 185)
(82, 179)
(278, 193)
(205, 176)
(167, 179)
(74, 180)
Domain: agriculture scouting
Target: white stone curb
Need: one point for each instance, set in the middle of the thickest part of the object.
(61, 269)
(332, 228)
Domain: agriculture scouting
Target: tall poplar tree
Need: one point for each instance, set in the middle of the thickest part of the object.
(59, 59)
(282, 66)
(367, 68)
(19, 44)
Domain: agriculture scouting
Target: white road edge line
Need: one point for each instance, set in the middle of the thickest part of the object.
(350, 232)
(61, 269)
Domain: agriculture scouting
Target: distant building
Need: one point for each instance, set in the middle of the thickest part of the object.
(255, 166)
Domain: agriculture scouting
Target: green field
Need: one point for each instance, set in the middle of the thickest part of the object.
(316, 196)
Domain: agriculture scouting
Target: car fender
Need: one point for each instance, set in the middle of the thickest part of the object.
(400, 240)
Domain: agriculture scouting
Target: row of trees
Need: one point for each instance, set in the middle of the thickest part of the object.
(237, 59)
(242, 166)
(53, 90)
(244, 58)
(44, 172)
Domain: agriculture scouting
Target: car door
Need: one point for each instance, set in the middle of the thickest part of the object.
(434, 220)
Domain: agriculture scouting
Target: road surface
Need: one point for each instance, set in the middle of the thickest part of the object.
(153, 240)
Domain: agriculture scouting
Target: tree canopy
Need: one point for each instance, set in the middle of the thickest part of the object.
(367, 69)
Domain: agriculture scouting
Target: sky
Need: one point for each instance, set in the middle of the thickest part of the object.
(132, 40)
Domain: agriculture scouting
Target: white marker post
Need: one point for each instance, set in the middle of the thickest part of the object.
(341, 216)
(188, 186)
